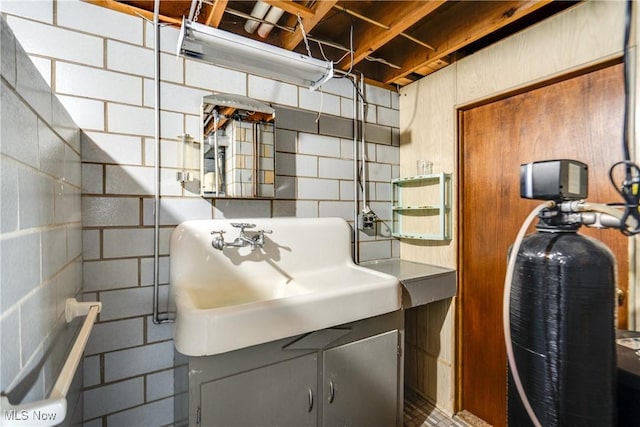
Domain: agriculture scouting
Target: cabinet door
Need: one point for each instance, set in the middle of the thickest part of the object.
(282, 394)
(361, 383)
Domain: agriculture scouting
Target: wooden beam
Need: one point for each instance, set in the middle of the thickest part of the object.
(396, 17)
(291, 40)
(451, 33)
(215, 13)
(133, 10)
(292, 8)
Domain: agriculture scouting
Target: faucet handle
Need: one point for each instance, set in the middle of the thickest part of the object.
(242, 225)
(265, 231)
(218, 241)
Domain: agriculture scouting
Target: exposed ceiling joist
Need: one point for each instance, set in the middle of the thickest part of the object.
(291, 40)
(447, 37)
(397, 17)
(292, 7)
(216, 12)
(394, 42)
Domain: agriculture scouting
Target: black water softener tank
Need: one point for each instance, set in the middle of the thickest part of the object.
(562, 329)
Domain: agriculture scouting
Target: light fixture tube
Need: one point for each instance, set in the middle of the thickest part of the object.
(230, 50)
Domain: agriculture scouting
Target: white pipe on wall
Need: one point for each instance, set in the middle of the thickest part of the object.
(363, 144)
(157, 317)
(356, 240)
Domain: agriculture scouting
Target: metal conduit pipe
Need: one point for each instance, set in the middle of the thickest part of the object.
(359, 155)
(363, 112)
(356, 243)
(158, 318)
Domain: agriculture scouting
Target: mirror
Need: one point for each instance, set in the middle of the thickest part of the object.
(238, 149)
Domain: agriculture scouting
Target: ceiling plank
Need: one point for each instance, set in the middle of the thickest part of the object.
(452, 33)
(292, 7)
(291, 40)
(215, 13)
(133, 10)
(397, 17)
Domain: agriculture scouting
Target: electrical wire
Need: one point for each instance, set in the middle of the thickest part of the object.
(629, 190)
(625, 66)
(350, 53)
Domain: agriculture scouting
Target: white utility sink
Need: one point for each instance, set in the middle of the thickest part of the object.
(301, 280)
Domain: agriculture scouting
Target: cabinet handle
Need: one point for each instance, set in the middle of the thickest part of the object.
(332, 392)
(310, 401)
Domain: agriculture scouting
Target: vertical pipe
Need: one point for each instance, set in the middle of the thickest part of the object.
(633, 300)
(356, 254)
(157, 318)
(363, 111)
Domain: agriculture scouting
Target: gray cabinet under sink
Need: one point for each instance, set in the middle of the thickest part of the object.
(284, 391)
(361, 382)
(347, 375)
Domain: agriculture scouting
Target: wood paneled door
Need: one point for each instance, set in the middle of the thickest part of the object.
(579, 118)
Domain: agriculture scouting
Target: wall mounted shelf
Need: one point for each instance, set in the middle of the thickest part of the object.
(415, 219)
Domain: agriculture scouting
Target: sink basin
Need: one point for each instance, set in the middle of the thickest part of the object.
(301, 280)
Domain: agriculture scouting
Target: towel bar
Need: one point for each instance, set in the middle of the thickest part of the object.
(52, 411)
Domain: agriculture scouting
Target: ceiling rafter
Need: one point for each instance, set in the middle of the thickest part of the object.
(216, 12)
(291, 40)
(292, 7)
(487, 18)
(397, 17)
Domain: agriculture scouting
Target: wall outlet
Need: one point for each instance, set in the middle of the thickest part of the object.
(367, 220)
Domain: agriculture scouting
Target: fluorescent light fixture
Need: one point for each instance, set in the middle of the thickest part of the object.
(230, 50)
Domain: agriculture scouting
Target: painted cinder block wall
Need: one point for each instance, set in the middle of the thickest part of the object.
(40, 231)
(100, 65)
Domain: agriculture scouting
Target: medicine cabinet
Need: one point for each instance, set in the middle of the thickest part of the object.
(238, 147)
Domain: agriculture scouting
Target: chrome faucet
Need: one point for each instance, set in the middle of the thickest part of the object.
(255, 241)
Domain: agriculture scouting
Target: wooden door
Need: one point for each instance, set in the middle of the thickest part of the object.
(579, 118)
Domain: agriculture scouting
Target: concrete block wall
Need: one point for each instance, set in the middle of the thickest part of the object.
(40, 233)
(100, 64)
